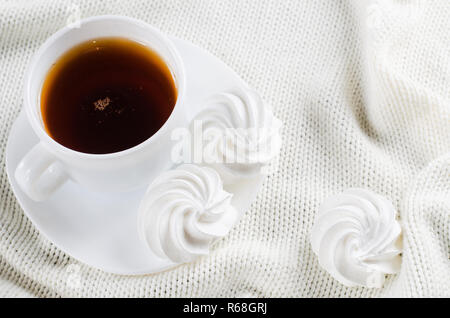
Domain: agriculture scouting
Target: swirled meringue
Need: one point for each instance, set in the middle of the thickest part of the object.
(184, 211)
(357, 238)
(241, 133)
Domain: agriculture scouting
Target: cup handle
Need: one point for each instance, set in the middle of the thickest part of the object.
(40, 173)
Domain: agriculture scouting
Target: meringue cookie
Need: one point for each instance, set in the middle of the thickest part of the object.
(357, 238)
(184, 211)
(241, 133)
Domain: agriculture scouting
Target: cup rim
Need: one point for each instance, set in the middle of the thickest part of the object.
(44, 136)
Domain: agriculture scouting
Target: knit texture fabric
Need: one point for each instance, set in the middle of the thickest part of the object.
(362, 88)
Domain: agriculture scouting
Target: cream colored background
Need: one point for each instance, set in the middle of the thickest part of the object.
(363, 90)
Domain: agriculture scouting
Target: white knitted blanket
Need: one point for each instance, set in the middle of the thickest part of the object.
(363, 91)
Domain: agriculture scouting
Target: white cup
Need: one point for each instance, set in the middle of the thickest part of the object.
(49, 164)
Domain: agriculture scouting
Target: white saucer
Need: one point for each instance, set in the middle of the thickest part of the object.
(100, 229)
